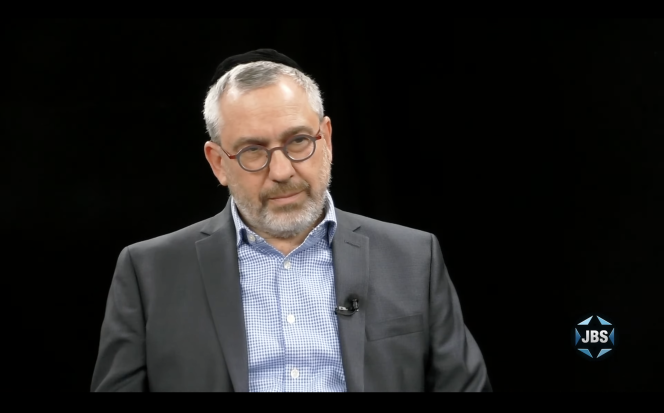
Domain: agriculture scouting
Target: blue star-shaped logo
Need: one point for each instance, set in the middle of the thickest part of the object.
(594, 338)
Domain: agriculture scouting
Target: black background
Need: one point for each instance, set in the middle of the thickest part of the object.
(531, 148)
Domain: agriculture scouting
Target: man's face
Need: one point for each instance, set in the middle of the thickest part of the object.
(286, 198)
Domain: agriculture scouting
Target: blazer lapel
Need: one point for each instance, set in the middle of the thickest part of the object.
(350, 252)
(217, 257)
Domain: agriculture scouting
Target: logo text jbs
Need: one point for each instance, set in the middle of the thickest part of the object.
(595, 336)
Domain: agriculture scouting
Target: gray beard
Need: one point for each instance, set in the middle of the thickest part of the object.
(286, 222)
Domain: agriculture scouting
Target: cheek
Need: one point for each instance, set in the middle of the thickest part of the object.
(310, 172)
(248, 184)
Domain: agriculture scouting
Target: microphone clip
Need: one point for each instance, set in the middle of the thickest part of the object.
(355, 307)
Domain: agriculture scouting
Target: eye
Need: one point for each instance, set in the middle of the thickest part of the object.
(299, 139)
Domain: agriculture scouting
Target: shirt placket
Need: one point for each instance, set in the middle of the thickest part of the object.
(287, 281)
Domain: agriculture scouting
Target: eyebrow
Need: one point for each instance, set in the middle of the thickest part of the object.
(257, 140)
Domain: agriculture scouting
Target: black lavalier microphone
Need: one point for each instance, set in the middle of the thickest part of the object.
(354, 308)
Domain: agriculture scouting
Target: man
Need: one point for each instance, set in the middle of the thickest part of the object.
(281, 291)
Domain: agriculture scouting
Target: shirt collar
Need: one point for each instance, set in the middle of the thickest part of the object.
(329, 223)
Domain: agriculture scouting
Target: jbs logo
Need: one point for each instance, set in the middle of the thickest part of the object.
(594, 337)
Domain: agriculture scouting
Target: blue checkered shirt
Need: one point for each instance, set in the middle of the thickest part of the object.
(289, 301)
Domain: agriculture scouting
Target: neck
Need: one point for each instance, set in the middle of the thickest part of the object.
(287, 245)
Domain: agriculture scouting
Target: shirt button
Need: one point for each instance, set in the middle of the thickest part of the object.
(294, 373)
(251, 238)
(287, 264)
(291, 318)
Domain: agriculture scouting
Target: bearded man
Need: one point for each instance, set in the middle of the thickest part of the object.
(281, 291)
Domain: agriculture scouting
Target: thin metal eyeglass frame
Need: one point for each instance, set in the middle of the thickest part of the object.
(313, 140)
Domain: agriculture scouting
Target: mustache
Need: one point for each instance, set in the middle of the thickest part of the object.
(284, 189)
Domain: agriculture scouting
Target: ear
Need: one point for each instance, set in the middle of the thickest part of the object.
(216, 161)
(326, 128)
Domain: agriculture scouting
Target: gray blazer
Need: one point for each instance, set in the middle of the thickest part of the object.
(174, 318)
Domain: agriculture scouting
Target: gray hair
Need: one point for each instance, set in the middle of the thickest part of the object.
(251, 76)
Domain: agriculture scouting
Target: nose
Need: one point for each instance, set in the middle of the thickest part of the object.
(281, 168)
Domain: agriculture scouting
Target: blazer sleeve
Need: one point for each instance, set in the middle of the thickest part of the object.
(121, 362)
(456, 360)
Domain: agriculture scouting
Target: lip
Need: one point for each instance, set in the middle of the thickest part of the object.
(286, 198)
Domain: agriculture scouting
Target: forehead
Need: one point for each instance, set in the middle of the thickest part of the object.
(266, 111)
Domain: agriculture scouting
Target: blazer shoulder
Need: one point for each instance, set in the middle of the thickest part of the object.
(172, 241)
(373, 227)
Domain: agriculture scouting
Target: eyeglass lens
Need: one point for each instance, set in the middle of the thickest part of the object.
(297, 149)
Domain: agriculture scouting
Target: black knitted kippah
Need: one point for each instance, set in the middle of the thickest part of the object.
(258, 55)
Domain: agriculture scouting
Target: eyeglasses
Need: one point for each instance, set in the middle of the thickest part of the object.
(255, 158)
